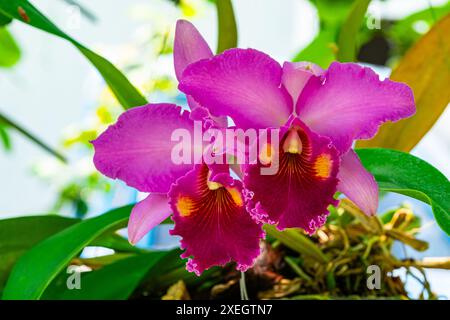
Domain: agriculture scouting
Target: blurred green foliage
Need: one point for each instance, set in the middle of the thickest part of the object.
(9, 49)
(390, 41)
(428, 79)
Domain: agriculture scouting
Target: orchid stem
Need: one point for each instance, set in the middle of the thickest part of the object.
(243, 287)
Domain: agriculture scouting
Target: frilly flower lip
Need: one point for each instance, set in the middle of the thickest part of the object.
(303, 187)
(213, 222)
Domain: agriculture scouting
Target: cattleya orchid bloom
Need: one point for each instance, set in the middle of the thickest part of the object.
(319, 114)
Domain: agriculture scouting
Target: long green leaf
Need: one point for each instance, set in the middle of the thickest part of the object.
(116, 281)
(4, 20)
(228, 35)
(23, 232)
(22, 10)
(404, 33)
(7, 122)
(349, 31)
(116, 242)
(39, 266)
(17, 235)
(406, 174)
(153, 271)
(171, 268)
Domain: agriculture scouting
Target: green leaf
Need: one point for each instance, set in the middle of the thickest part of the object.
(171, 268)
(22, 10)
(24, 232)
(9, 50)
(17, 235)
(101, 261)
(152, 271)
(127, 95)
(228, 36)
(347, 46)
(39, 266)
(404, 33)
(426, 69)
(116, 242)
(7, 122)
(406, 174)
(296, 241)
(4, 20)
(116, 281)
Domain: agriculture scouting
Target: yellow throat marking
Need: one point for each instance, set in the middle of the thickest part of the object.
(185, 206)
(236, 196)
(323, 165)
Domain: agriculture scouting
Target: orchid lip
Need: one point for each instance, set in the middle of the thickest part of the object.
(213, 223)
(299, 193)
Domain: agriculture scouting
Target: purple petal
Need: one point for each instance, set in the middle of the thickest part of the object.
(199, 113)
(300, 192)
(243, 84)
(146, 215)
(189, 46)
(213, 223)
(137, 149)
(357, 183)
(296, 75)
(350, 102)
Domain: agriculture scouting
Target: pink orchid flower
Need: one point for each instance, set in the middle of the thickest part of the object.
(219, 218)
(207, 204)
(320, 114)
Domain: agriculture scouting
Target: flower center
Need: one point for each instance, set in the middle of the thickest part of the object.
(234, 192)
(293, 143)
(211, 184)
(185, 206)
